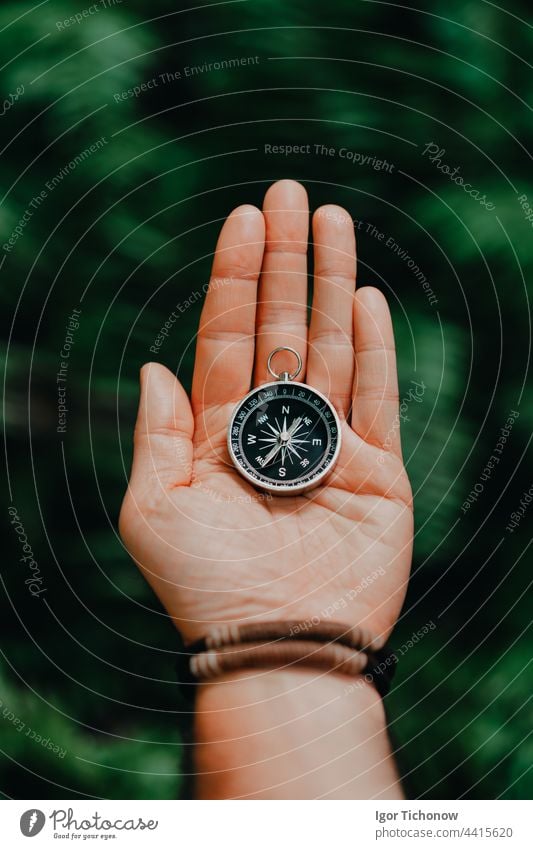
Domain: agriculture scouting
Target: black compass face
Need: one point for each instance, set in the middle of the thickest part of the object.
(284, 436)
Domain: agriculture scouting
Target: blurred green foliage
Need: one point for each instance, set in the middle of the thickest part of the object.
(129, 233)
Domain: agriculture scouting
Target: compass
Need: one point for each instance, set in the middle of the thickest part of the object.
(284, 437)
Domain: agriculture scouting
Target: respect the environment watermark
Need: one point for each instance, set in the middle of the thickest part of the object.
(369, 229)
(393, 246)
(185, 73)
(82, 15)
(39, 198)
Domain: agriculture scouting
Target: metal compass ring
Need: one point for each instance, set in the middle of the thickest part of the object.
(285, 375)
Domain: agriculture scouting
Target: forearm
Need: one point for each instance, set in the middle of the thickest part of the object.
(292, 734)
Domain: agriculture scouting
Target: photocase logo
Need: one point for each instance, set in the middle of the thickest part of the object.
(32, 822)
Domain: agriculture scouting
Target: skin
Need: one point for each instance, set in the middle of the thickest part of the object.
(212, 547)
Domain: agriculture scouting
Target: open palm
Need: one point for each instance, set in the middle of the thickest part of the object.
(214, 548)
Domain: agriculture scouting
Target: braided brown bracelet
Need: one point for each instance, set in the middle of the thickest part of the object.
(328, 646)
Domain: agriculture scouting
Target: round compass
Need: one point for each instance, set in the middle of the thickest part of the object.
(284, 437)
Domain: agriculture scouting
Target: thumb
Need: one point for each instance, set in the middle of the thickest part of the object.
(162, 445)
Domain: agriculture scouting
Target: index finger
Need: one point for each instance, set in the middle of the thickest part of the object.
(225, 344)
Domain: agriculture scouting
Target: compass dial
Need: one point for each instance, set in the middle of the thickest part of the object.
(284, 437)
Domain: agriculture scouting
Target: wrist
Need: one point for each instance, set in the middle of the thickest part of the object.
(292, 733)
(218, 703)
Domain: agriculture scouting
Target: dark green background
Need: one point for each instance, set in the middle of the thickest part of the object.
(134, 226)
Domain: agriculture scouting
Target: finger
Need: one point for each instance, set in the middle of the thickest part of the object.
(375, 413)
(331, 356)
(282, 300)
(225, 345)
(162, 445)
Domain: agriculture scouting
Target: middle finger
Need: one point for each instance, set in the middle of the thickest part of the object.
(282, 299)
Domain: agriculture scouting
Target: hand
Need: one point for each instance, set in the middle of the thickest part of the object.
(215, 549)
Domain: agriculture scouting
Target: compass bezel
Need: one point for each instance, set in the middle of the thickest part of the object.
(304, 482)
